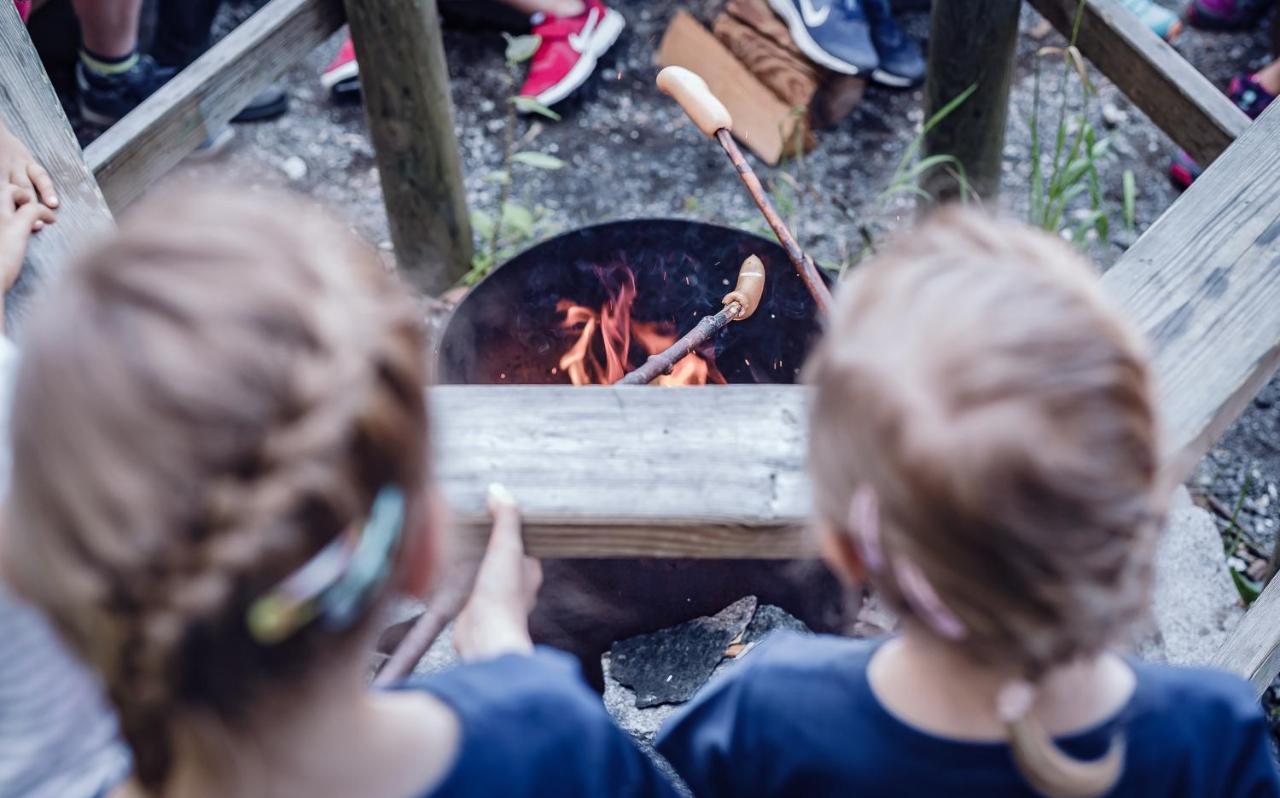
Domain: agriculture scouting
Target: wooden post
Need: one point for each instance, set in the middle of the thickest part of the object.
(970, 44)
(406, 97)
(31, 110)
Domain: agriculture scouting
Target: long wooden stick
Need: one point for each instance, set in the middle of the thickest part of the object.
(662, 363)
(740, 303)
(804, 264)
(712, 118)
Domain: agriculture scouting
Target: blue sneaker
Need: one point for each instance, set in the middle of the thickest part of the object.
(833, 33)
(105, 99)
(902, 63)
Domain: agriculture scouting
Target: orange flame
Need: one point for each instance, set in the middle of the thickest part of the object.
(601, 353)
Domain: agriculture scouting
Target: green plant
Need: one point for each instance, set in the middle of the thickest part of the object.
(512, 224)
(1077, 150)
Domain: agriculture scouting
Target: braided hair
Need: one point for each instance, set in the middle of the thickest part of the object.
(207, 401)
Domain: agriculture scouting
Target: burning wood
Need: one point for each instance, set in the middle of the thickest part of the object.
(712, 118)
(606, 339)
(739, 304)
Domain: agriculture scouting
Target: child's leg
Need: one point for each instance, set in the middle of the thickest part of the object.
(558, 8)
(109, 28)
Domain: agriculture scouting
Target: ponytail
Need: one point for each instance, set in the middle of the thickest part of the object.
(1044, 765)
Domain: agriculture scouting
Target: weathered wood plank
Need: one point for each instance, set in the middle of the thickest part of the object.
(30, 108)
(150, 141)
(971, 45)
(1180, 100)
(410, 112)
(632, 472)
(1204, 282)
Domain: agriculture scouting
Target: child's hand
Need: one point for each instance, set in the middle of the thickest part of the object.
(20, 216)
(496, 618)
(19, 169)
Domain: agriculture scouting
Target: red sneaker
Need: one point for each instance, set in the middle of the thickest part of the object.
(344, 71)
(570, 48)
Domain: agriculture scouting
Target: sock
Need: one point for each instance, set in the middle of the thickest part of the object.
(103, 65)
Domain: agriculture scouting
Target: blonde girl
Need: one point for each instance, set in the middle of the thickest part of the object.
(222, 474)
(984, 452)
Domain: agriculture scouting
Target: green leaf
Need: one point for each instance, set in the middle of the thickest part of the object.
(539, 160)
(521, 48)
(1099, 150)
(1092, 220)
(528, 105)
(517, 218)
(500, 176)
(1130, 200)
(482, 224)
(1248, 589)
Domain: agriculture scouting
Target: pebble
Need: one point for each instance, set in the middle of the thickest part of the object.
(294, 168)
(1112, 116)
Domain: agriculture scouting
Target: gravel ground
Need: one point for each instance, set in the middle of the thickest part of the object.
(632, 154)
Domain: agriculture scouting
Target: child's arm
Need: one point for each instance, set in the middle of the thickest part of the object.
(20, 169)
(495, 620)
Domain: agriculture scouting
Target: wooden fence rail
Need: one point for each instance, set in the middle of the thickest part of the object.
(150, 141)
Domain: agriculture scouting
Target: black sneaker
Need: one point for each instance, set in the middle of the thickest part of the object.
(833, 33)
(105, 99)
(902, 63)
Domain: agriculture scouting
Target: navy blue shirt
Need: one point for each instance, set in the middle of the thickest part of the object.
(531, 728)
(798, 717)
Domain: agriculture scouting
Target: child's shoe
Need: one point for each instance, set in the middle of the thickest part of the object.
(902, 63)
(342, 77)
(1226, 14)
(570, 49)
(835, 34)
(1162, 22)
(1251, 97)
(106, 96)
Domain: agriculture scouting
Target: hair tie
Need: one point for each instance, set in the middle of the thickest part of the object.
(1014, 700)
(338, 582)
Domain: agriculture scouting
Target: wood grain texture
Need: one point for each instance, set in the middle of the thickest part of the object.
(761, 121)
(761, 41)
(150, 141)
(30, 108)
(1204, 284)
(970, 45)
(410, 114)
(1180, 100)
(631, 472)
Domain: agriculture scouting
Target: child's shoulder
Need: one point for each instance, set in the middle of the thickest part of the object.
(531, 727)
(787, 654)
(548, 682)
(1193, 696)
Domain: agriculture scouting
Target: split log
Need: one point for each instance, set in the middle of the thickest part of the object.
(760, 40)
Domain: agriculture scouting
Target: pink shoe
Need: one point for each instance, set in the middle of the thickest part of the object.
(570, 49)
(342, 75)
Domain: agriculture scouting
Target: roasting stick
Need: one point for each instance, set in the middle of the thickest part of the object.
(712, 118)
(740, 303)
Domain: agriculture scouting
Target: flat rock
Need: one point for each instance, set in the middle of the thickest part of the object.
(669, 666)
(1196, 605)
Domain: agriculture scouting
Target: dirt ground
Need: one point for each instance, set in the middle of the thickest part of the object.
(632, 154)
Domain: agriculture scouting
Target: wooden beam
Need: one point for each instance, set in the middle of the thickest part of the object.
(632, 472)
(1180, 100)
(145, 145)
(1203, 283)
(407, 102)
(970, 45)
(30, 108)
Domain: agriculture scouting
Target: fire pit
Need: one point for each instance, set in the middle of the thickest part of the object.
(590, 306)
